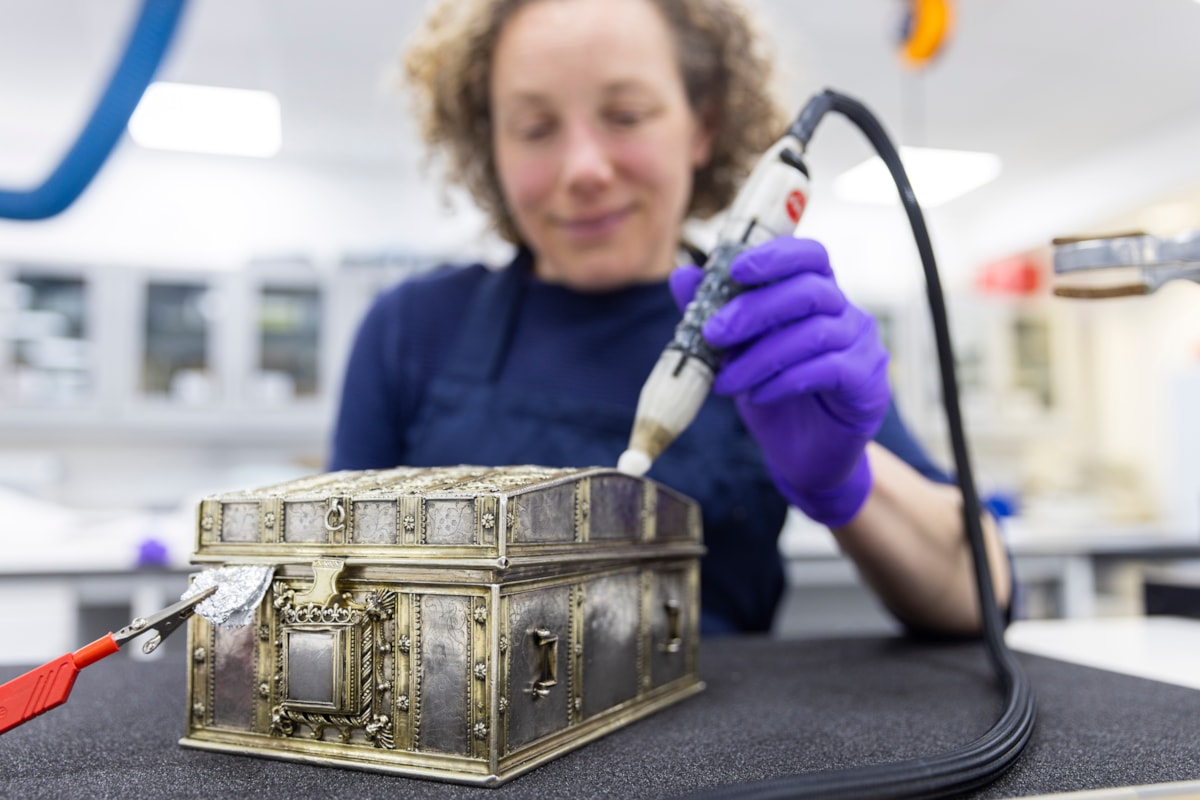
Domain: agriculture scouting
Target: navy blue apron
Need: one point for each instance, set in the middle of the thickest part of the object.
(467, 417)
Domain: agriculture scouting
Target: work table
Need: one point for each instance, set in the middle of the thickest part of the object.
(771, 707)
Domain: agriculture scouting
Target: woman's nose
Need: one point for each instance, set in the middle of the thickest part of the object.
(587, 163)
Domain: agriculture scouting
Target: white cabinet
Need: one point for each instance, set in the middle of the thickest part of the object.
(139, 387)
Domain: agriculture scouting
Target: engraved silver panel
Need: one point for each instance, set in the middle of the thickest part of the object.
(610, 641)
(671, 518)
(233, 677)
(530, 715)
(670, 625)
(547, 515)
(304, 522)
(239, 522)
(375, 522)
(616, 507)
(313, 658)
(445, 673)
(449, 521)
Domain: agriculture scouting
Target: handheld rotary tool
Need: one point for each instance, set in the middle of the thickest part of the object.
(768, 205)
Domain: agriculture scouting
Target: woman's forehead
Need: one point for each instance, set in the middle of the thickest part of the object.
(615, 46)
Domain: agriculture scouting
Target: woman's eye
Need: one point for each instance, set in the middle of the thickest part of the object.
(535, 131)
(625, 117)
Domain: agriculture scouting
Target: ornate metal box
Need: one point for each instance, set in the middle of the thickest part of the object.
(464, 623)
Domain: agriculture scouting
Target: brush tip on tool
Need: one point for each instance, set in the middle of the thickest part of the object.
(634, 462)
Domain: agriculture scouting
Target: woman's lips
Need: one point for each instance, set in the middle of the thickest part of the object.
(595, 226)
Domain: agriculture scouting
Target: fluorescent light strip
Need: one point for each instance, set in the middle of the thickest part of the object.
(937, 176)
(208, 119)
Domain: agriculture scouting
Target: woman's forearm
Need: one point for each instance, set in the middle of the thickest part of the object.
(909, 545)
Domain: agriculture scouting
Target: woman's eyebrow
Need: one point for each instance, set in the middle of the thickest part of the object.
(627, 86)
(527, 97)
(525, 102)
(536, 100)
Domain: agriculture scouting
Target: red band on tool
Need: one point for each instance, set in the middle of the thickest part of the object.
(795, 205)
(91, 653)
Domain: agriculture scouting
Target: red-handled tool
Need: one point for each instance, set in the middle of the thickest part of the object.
(49, 685)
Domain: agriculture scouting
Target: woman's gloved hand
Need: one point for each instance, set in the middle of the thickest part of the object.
(807, 370)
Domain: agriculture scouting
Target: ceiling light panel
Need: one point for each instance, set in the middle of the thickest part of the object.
(937, 176)
(208, 119)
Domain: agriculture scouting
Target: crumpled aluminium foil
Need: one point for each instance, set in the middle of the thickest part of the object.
(239, 591)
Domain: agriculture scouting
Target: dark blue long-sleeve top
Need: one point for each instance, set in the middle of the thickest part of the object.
(561, 389)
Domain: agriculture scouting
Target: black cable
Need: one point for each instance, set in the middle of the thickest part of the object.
(985, 759)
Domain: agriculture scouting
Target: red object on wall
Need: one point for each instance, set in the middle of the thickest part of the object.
(1020, 275)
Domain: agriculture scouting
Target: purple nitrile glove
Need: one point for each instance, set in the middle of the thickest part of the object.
(807, 370)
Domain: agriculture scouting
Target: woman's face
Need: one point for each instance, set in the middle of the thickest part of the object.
(595, 142)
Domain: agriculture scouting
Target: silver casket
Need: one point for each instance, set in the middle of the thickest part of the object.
(464, 623)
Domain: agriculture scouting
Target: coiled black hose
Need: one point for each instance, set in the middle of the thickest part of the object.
(985, 759)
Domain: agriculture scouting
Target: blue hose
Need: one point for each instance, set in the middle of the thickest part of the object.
(147, 44)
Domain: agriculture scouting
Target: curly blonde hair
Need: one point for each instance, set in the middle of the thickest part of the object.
(726, 73)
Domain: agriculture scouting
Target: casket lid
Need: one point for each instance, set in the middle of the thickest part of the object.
(432, 514)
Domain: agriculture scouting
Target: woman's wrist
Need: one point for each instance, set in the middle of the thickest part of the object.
(832, 507)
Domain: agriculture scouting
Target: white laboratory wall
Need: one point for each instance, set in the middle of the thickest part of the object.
(1147, 352)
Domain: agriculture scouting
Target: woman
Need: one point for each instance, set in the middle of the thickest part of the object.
(589, 130)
